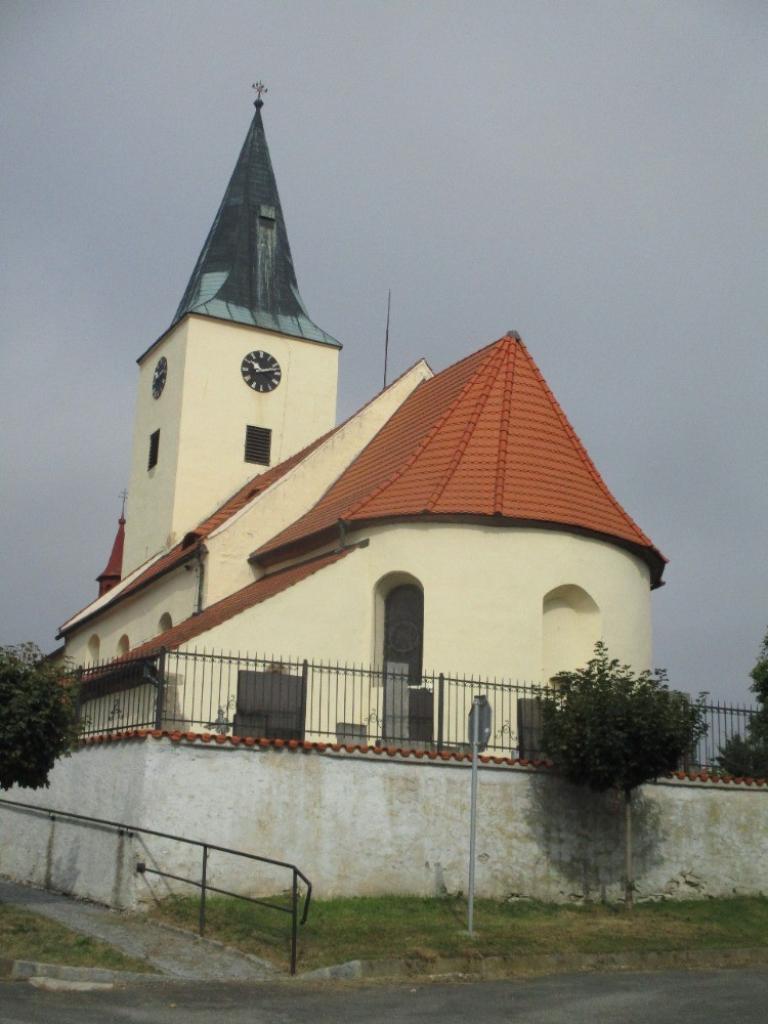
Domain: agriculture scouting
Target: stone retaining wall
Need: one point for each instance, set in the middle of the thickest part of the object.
(361, 824)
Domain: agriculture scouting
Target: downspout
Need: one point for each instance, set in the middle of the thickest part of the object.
(343, 544)
(342, 535)
(200, 551)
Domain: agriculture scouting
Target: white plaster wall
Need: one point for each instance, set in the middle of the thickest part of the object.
(60, 855)
(484, 590)
(202, 415)
(226, 564)
(227, 567)
(218, 405)
(483, 599)
(372, 824)
(138, 617)
(151, 492)
(571, 626)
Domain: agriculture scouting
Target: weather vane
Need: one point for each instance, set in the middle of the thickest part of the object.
(260, 90)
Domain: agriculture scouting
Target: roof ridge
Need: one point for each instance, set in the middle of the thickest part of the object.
(299, 456)
(436, 427)
(470, 426)
(506, 415)
(580, 448)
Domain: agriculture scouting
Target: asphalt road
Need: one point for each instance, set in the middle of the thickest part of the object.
(728, 997)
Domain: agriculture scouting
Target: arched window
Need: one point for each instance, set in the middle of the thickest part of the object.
(123, 644)
(404, 631)
(572, 626)
(94, 644)
(166, 622)
(406, 713)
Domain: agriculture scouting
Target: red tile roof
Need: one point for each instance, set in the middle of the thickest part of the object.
(257, 485)
(186, 547)
(233, 604)
(184, 550)
(486, 437)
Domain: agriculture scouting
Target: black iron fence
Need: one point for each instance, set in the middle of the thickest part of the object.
(294, 699)
(724, 722)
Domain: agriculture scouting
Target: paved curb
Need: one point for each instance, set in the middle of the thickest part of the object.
(497, 967)
(23, 970)
(471, 968)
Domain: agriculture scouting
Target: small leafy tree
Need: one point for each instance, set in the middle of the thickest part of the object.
(37, 716)
(608, 728)
(748, 755)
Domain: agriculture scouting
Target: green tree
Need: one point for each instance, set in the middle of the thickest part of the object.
(37, 716)
(606, 727)
(748, 755)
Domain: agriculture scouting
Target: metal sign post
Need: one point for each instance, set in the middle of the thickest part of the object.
(480, 717)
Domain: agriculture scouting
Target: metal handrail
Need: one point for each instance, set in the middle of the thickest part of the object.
(203, 884)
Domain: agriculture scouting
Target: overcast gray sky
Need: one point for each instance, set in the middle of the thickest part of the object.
(590, 173)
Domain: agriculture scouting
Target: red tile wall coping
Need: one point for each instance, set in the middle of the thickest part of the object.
(308, 746)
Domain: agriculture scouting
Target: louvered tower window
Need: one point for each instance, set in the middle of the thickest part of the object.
(154, 449)
(258, 443)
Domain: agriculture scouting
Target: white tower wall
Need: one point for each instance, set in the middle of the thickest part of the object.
(202, 416)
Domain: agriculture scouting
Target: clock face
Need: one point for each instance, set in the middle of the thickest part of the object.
(261, 371)
(159, 377)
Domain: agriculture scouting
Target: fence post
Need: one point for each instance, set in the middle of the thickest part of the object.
(79, 697)
(160, 691)
(294, 919)
(203, 879)
(303, 707)
(440, 707)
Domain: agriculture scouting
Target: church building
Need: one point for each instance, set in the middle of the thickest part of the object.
(454, 523)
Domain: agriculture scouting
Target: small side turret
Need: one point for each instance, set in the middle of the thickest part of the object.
(113, 572)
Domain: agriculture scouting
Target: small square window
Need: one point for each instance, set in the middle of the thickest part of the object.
(258, 445)
(154, 449)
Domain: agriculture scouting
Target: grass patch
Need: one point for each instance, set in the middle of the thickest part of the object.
(27, 936)
(401, 926)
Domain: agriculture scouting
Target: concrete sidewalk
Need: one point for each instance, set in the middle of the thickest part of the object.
(173, 953)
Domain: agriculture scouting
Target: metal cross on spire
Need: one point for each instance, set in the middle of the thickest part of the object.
(123, 495)
(260, 90)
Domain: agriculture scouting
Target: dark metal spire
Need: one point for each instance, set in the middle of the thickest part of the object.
(245, 270)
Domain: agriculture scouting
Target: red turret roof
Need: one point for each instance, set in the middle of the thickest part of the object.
(487, 438)
(114, 569)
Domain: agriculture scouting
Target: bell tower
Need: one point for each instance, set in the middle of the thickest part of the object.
(241, 380)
